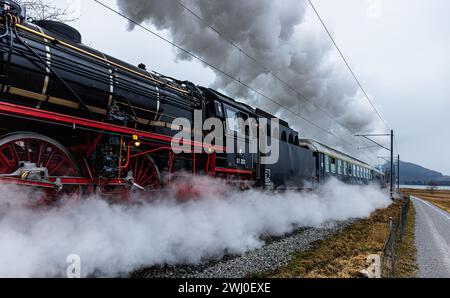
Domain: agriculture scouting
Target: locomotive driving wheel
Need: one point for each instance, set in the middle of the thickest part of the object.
(146, 175)
(41, 154)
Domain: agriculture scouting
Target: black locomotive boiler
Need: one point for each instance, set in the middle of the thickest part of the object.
(74, 120)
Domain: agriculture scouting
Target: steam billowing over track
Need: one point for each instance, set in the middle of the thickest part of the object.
(277, 47)
(100, 130)
(117, 239)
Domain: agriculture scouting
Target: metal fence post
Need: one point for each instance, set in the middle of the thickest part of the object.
(394, 241)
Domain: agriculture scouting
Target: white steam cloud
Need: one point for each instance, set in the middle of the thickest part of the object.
(114, 239)
(286, 37)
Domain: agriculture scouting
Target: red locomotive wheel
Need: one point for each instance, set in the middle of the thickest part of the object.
(146, 176)
(145, 172)
(43, 152)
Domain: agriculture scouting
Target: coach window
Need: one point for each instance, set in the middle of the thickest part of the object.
(296, 141)
(284, 137)
(291, 139)
(344, 166)
(339, 162)
(333, 165)
(327, 163)
(355, 174)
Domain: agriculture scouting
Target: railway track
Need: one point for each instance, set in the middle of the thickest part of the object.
(276, 253)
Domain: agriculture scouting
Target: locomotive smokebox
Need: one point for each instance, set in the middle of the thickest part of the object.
(12, 7)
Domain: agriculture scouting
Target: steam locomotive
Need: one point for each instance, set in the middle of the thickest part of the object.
(74, 120)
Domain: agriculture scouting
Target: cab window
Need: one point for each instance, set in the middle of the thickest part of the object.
(232, 119)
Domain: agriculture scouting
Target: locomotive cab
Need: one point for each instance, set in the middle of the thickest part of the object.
(238, 137)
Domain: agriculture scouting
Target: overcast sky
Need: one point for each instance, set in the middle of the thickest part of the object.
(398, 49)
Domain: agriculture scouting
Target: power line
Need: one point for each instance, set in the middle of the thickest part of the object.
(221, 71)
(227, 75)
(396, 143)
(265, 68)
(348, 65)
(260, 64)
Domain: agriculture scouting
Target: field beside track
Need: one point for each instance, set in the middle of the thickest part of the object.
(344, 255)
(440, 198)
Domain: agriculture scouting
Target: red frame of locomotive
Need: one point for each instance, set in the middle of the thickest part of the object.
(163, 143)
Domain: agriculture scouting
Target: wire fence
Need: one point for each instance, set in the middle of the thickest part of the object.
(397, 227)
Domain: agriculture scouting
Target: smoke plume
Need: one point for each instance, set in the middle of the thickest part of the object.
(116, 239)
(285, 36)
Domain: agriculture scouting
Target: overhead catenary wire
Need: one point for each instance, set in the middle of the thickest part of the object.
(224, 73)
(396, 144)
(260, 64)
(229, 76)
(348, 65)
(266, 69)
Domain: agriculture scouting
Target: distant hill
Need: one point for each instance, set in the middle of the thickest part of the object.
(412, 174)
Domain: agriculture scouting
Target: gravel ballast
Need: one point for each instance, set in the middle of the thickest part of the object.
(275, 254)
